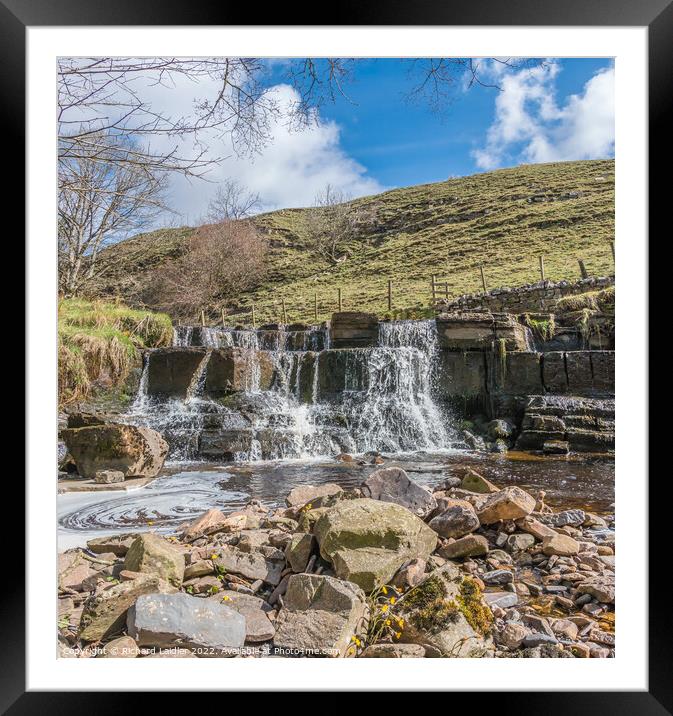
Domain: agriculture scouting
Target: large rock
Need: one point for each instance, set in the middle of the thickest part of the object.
(457, 519)
(152, 554)
(354, 329)
(472, 331)
(447, 614)
(299, 549)
(179, 620)
(258, 626)
(392, 484)
(468, 546)
(171, 371)
(73, 570)
(561, 545)
(125, 448)
(320, 615)
(367, 541)
(104, 613)
(235, 370)
(117, 544)
(253, 565)
(510, 503)
(473, 482)
(304, 494)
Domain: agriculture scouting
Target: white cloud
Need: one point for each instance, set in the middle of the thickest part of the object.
(531, 126)
(289, 171)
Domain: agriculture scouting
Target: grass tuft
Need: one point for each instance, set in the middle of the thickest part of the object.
(99, 343)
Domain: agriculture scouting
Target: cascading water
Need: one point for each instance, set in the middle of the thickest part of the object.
(317, 403)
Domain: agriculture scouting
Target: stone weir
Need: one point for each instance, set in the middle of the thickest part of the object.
(354, 385)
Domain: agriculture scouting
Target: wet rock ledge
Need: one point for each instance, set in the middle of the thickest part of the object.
(388, 570)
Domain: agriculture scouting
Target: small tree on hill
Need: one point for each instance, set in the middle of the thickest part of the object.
(222, 260)
(332, 223)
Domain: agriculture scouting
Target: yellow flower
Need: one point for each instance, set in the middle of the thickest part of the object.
(384, 608)
(392, 600)
(354, 638)
(149, 522)
(388, 622)
(398, 634)
(226, 599)
(213, 556)
(384, 590)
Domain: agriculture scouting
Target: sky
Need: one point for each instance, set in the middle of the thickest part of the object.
(375, 139)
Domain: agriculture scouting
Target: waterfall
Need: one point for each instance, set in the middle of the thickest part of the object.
(318, 401)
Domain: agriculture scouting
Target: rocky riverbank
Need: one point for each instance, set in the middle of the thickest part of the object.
(389, 569)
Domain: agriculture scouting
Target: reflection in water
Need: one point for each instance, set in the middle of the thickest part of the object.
(186, 491)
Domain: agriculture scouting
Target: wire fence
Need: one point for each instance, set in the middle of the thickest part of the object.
(392, 297)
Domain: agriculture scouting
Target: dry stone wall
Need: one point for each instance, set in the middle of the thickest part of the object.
(542, 296)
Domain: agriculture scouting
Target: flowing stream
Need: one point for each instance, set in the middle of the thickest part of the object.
(319, 403)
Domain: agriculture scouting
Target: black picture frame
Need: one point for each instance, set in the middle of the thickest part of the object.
(657, 15)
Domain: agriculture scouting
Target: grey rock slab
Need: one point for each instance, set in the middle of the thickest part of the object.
(179, 620)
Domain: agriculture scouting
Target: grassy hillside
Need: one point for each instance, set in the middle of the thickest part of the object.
(503, 220)
(99, 342)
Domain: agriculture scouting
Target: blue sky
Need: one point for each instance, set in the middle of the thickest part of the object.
(559, 111)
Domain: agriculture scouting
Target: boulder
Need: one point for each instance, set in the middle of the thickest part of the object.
(561, 545)
(367, 541)
(117, 544)
(510, 503)
(410, 574)
(179, 620)
(136, 452)
(108, 477)
(253, 565)
(520, 542)
(392, 484)
(468, 546)
(602, 588)
(474, 482)
(206, 523)
(512, 635)
(304, 494)
(456, 519)
(299, 550)
(152, 554)
(320, 615)
(104, 613)
(170, 371)
(73, 570)
(354, 329)
(447, 613)
(258, 626)
(121, 648)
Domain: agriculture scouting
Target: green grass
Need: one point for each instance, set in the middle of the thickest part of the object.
(99, 342)
(447, 229)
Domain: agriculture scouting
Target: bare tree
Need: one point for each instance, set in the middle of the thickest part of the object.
(232, 200)
(333, 222)
(222, 261)
(101, 199)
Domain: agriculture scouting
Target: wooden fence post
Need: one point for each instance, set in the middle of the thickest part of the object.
(284, 311)
(203, 318)
(434, 288)
(390, 295)
(612, 246)
(583, 269)
(483, 279)
(542, 267)
(224, 323)
(340, 299)
(315, 306)
(254, 318)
